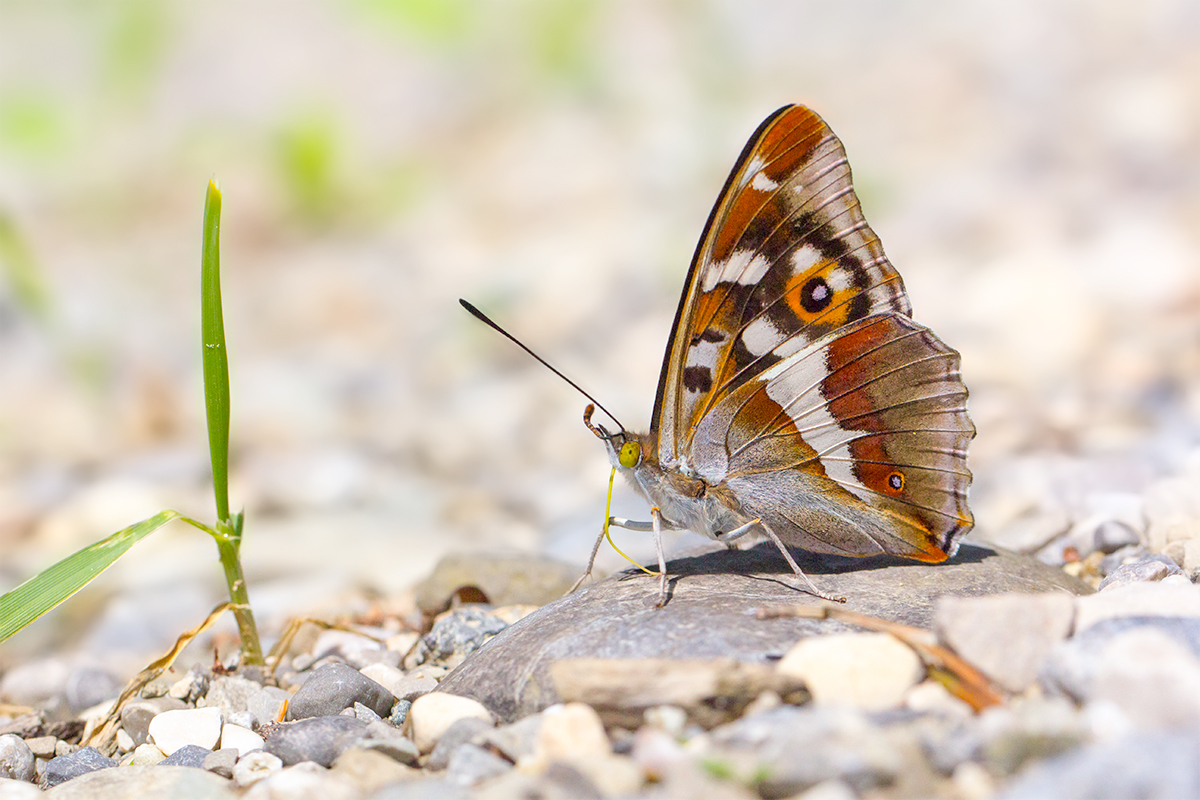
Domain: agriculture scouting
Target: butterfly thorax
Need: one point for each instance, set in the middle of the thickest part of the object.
(685, 500)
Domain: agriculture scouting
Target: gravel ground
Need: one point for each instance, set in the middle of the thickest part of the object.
(1030, 167)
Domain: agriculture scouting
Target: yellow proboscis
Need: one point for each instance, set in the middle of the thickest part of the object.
(608, 516)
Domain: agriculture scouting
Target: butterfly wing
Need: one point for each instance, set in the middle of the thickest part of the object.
(794, 374)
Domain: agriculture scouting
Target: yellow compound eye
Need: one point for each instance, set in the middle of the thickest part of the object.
(630, 455)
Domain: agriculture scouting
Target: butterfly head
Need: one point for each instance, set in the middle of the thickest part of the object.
(624, 448)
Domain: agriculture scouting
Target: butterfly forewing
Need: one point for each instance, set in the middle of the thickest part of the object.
(787, 257)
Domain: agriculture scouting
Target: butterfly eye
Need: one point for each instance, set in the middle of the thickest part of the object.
(631, 454)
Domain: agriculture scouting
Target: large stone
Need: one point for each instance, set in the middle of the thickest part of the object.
(710, 613)
(134, 783)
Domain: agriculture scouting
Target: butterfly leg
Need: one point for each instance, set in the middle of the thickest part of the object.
(811, 588)
(591, 563)
(656, 522)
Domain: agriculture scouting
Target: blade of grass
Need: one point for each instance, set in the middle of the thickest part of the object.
(216, 360)
(47, 589)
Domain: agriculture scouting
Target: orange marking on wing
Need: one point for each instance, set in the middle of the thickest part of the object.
(834, 313)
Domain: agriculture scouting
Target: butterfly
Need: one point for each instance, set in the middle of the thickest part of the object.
(797, 396)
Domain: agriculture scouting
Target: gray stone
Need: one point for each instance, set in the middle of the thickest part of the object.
(400, 712)
(88, 686)
(317, 739)
(455, 736)
(795, 748)
(190, 755)
(136, 716)
(456, 635)
(498, 578)
(1072, 667)
(138, 783)
(471, 764)
(82, 761)
(16, 759)
(1028, 732)
(1153, 567)
(232, 695)
(1113, 535)
(513, 741)
(364, 714)
(265, 705)
(334, 687)
(1152, 764)
(1007, 636)
(709, 614)
(221, 762)
(390, 741)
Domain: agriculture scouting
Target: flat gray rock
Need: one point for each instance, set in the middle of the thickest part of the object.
(710, 609)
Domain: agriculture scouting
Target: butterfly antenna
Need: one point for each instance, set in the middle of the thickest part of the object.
(484, 318)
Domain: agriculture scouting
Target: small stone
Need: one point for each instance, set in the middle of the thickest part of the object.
(221, 762)
(334, 687)
(137, 782)
(243, 740)
(190, 755)
(303, 781)
(253, 767)
(64, 768)
(63, 748)
(828, 790)
(568, 733)
(973, 782)
(471, 764)
(1029, 731)
(172, 730)
(42, 746)
(1148, 568)
(1172, 596)
(89, 686)
(1185, 553)
(35, 681)
(657, 752)
(389, 741)
(872, 671)
(1007, 636)
(231, 694)
(370, 769)
(1152, 677)
(136, 715)
(455, 736)
(1111, 535)
(433, 714)
(16, 759)
(405, 686)
(515, 741)
(932, 697)
(317, 739)
(613, 775)
(19, 790)
(364, 714)
(399, 713)
(190, 687)
(146, 755)
(455, 636)
(125, 742)
(266, 705)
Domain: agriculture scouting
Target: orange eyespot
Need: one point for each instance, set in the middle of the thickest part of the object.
(630, 455)
(895, 481)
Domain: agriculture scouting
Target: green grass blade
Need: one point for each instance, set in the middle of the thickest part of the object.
(216, 359)
(48, 588)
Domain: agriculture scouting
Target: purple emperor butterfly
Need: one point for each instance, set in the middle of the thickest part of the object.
(797, 397)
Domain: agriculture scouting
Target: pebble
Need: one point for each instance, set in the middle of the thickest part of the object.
(334, 687)
(570, 732)
(1153, 567)
(301, 782)
(255, 766)
(432, 715)
(370, 770)
(35, 682)
(317, 739)
(18, 790)
(266, 705)
(231, 694)
(63, 768)
(172, 730)
(42, 746)
(514, 741)
(89, 686)
(791, 749)
(1151, 676)
(457, 735)
(16, 759)
(471, 764)
(1172, 596)
(1029, 731)
(871, 671)
(1007, 636)
(382, 737)
(240, 739)
(191, 686)
(146, 755)
(362, 713)
(221, 762)
(455, 636)
(136, 716)
(139, 782)
(403, 685)
(190, 755)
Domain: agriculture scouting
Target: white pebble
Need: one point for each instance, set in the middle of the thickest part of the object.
(572, 732)
(146, 755)
(243, 739)
(871, 671)
(432, 714)
(174, 729)
(253, 767)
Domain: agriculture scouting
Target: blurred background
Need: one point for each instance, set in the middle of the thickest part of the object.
(1032, 167)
